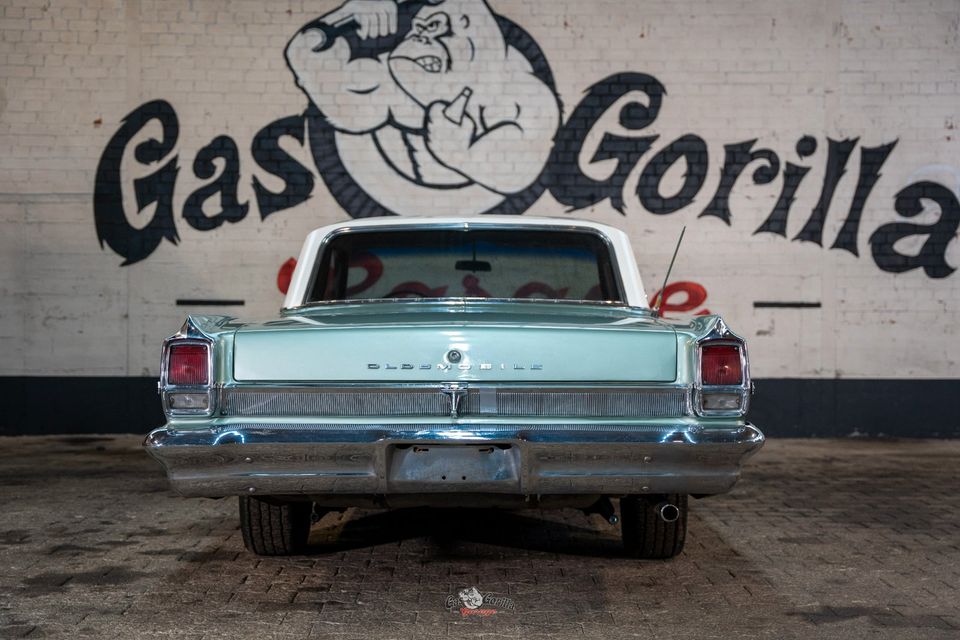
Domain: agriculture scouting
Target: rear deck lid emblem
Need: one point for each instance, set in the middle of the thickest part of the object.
(456, 392)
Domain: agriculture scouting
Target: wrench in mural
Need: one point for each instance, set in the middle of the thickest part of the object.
(375, 15)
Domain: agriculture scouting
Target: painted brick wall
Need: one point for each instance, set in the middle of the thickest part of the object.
(862, 98)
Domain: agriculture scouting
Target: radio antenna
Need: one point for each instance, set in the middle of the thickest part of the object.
(659, 300)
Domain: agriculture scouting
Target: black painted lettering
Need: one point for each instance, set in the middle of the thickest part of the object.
(871, 160)
(222, 147)
(564, 176)
(838, 154)
(932, 256)
(736, 158)
(113, 226)
(298, 181)
(793, 175)
(693, 150)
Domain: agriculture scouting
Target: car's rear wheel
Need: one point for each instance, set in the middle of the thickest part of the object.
(273, 527)
(654, 526)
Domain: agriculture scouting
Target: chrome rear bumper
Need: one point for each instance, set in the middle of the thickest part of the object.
(390, 459)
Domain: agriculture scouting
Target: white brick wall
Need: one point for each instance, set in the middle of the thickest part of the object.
(734, 70)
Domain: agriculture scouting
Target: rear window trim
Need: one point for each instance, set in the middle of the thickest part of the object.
(614, 265)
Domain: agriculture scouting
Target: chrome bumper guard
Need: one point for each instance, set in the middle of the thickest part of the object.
(382, 459)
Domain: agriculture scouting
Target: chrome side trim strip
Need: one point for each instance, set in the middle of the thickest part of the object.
(333, 402)
(638, 403)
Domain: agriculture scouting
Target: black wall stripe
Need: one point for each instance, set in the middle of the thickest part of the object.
(186, 302)
(764, 304)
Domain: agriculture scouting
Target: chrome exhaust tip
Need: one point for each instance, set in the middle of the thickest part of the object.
(668, 512)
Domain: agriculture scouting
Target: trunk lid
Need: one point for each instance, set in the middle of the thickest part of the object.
(411, 341)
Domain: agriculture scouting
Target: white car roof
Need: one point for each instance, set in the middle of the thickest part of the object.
(629, 274)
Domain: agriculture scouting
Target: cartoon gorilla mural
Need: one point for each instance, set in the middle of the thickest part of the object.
(438, 107)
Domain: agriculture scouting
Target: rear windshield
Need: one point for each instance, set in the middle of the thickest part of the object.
(473, 263)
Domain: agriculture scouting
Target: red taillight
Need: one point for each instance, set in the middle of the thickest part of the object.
(188, 365)
(720, 364)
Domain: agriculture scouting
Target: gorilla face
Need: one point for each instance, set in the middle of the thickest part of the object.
(431, 52)
(471, 598)
(441, 53)
(425, 46)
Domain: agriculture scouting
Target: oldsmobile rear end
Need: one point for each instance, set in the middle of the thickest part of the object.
(486, 362)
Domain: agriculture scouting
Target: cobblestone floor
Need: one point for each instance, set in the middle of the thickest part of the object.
(821, 539)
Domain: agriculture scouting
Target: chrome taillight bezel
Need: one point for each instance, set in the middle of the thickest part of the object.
(189, 334)
(720, 335)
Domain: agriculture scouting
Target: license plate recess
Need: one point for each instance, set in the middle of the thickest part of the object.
(457, 467)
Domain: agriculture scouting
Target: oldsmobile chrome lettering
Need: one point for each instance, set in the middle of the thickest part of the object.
(446, 366)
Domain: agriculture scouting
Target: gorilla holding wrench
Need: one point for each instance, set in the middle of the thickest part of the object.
(447, 118)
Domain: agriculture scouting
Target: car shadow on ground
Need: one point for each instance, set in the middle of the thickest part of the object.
(466, 529)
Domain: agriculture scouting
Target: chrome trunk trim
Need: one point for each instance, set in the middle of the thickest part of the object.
(472, 400)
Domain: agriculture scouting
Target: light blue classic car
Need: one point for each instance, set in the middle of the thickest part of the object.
(499, 362)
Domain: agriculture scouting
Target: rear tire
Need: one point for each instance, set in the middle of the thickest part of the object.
(273, 527)
(645, 534)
